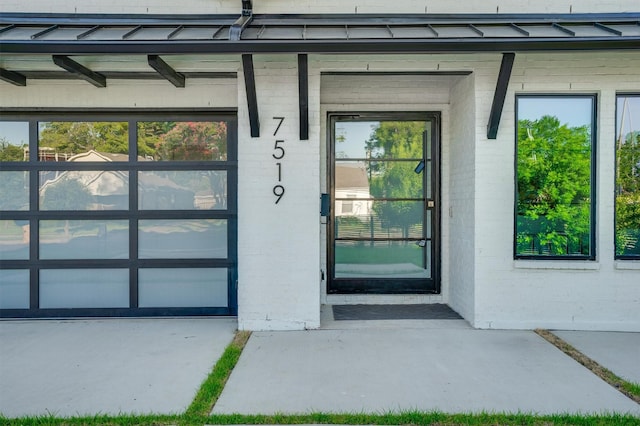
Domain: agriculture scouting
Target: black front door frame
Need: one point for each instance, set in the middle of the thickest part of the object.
(380, 285)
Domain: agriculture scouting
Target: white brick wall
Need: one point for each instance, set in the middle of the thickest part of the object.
(325, 6)
(278, 245)
(462, 200)
(198, 93)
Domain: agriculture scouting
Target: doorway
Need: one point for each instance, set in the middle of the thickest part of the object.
(384, 181)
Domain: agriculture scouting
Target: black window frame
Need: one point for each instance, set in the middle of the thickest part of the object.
(615, 183)
(592, 256)
(133, 214)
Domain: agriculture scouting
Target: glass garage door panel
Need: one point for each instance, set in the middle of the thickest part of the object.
(84, 288)
(14, 289)
(186, 288)
(183, 239)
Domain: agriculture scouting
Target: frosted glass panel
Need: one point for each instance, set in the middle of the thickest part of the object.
(183, 288)
(182, 190)
(84, 288)
(14, 289)
(183, 238)
(14, 190)
(14, 239)
(84, 239)
(84, 190)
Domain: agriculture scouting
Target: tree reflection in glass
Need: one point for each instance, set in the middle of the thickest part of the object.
(554, 176)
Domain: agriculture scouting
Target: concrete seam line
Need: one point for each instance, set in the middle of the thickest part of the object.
(605, 374)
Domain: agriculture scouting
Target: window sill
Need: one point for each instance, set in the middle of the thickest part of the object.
(628, 265)
(579, 265)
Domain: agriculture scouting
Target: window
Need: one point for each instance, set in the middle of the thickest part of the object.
(555, 170)
(628, 177)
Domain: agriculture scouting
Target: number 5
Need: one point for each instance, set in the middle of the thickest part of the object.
(279, 150)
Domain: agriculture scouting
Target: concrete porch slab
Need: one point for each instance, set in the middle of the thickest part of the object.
(450, 369)
(107, 366)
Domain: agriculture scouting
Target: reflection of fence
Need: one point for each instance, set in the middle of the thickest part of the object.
(531, 244)
(372, 226)
(48, 154)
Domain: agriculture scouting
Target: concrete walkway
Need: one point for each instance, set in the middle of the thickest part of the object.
(451, 368)
(112, 366)
(619, 352)
(107, 366)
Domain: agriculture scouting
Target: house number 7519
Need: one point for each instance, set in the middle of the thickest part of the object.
(278, 154)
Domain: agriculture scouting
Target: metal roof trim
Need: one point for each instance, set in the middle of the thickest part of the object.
(475, 44)
(443, 26)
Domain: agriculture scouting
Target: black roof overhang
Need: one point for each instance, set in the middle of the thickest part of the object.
(350, 46)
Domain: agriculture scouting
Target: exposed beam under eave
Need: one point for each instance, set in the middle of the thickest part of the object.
(303, 96)
(80, 70)
(500, 94)
(176, 78)
(252, 98)
(13, 77)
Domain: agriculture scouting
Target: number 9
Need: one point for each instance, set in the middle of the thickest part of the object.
(278, 191)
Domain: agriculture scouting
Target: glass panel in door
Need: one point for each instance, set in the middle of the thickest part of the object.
(382, 224)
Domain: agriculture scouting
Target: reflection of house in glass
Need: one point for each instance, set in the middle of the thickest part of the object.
(109, 189)
(86, 189)
(352, 182)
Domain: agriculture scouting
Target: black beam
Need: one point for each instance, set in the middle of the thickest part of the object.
(419, 46)
(252, 98)
(303, 96)
(13, 77)
(500, 94)
(80, 70)
(235, 32)
(176, 78)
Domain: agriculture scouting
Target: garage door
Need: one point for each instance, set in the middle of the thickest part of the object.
(118, 214)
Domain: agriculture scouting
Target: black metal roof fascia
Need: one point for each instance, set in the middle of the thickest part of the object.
(391, 45)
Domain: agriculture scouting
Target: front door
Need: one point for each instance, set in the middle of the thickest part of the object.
(384, 180)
